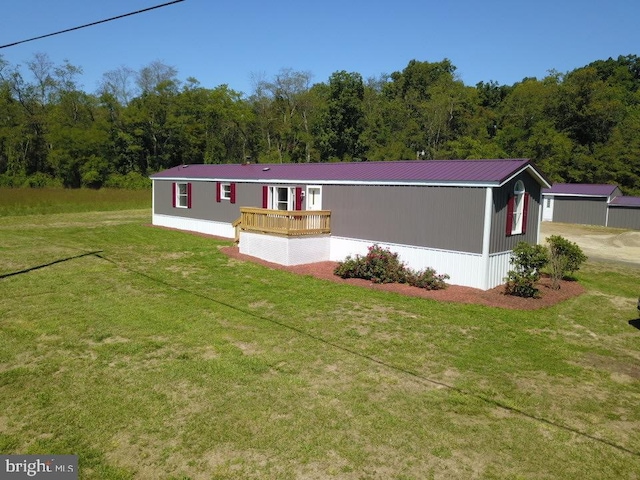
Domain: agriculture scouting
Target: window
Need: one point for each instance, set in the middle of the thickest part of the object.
(182, 195)
(282, 198)
(225, 191)
(517, 209)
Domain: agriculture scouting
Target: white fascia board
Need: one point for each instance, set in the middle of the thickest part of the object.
(535, 174)
(574, 195)
(332, 182)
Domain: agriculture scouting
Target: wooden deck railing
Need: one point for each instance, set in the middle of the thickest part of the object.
(283, 222)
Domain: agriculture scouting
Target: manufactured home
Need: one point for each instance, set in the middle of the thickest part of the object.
(460, 217)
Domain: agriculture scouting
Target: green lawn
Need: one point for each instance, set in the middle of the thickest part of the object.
(161, 358)
(29, 201)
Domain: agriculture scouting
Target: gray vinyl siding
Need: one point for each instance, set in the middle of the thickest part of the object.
(448, 218)
(203, 201)
(582, 210)
(624, 217)
(500, 241)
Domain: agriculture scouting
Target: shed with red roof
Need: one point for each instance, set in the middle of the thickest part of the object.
(460, 217)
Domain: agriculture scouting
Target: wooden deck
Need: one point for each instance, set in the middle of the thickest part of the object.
(291, 223)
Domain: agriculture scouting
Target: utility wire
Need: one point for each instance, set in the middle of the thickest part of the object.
(350, 351)
(417, 376)
(90, 24)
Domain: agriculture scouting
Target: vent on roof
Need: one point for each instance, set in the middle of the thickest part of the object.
(265, 169)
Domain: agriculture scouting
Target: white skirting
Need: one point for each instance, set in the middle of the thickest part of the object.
(285, 250)
(219, 229)
(466, 269)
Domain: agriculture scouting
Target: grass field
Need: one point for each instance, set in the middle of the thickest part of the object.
(151, 355)
(28, 201)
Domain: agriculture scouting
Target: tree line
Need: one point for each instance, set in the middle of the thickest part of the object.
(580, 126)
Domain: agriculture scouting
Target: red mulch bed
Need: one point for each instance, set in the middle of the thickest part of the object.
(453, 293)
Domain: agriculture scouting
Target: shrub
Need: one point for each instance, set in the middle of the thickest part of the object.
(40, 180)
(565, 257)
(130, 181)
(12, 181)
(527, 261)
(427, 279)
(380, 265)
(352, 267)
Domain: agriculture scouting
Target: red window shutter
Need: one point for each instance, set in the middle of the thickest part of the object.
(218, 186)
(233, 193)
(173, 193)
(265, 196)
(188, 195)
(510, 207)
(525, 212)
(298, 198)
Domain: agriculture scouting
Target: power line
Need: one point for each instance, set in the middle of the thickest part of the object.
(90, 24)
(417, 376)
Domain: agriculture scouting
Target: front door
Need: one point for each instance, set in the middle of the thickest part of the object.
(314, 202)
(314, 197)
(547, 209)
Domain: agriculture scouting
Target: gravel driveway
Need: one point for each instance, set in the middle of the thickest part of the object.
(598, 243)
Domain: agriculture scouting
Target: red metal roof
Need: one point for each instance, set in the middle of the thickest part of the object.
(485, 172)
(582, 189)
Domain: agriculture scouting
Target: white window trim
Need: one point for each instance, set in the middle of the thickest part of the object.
(273, 197)
(225, 193)
(519, 192)
(180, 197)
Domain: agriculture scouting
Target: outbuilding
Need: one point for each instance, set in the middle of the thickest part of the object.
(460, 217)
(590, 204)
(624, 212)
(580, 203)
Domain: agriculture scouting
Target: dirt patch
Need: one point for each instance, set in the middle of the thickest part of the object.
(454, 293)
(598, 243)
(620, 371)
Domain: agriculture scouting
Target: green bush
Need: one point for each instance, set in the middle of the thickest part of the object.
(427, 279)
(12, 181)
(351, 267)
(41, 180)
(380, 265)
(565, 258)
(527, 261)
(130, 181)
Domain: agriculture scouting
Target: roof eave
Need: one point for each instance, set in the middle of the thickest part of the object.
(535, 173)
(599, 195)
(429, 183)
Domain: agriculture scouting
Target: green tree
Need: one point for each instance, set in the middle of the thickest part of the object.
(285, 106)
(342, 122)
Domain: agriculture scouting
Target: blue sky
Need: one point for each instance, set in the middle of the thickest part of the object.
(232, 41)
